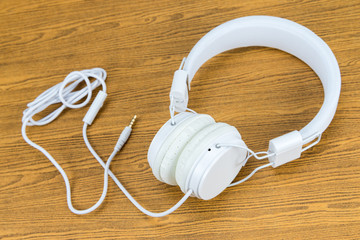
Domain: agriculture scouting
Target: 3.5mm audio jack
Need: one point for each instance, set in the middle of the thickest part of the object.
(132, 121)
(125, 134)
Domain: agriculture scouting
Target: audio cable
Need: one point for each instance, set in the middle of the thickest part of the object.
(60, 93)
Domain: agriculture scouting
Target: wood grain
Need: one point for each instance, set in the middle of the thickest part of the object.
(263, 92)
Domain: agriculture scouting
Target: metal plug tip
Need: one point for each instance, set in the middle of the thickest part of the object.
(132, 121)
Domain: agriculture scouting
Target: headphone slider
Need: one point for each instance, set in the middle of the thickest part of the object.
(286, 148)
(179, 95)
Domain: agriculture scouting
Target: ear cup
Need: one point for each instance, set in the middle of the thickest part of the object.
(216, 167)
(175, 131)
(162, 134)
(194, 148)
(169, 162)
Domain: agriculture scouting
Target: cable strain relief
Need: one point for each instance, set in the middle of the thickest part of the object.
(95, 107)
(124, 136)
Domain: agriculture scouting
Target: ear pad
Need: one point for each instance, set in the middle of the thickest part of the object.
(169, 162)
(162, 134)
(186, 128)
(194, 148)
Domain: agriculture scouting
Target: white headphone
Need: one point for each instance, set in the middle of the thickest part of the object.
(191, 150)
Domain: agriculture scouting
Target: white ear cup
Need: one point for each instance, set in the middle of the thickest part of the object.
(175, 131)
(169, 162)
(186, 154)
(213, 171)
(206, 169)
(193, 149)
(162, 134)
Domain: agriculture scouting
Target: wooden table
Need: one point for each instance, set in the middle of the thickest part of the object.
(261, 91)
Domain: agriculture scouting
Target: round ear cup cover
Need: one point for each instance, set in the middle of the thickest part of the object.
(206, 169)
(214, 170)
(192, 149)
(169, 162)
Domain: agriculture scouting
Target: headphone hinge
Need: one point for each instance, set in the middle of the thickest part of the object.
(286, 148)
(179, 96)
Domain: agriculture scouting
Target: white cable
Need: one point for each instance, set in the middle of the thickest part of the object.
(252, 154)
(65, 95)
(190, 110)
(122, 188)
(247, 149)
(66, 179)
(318, 138)
(250, 175)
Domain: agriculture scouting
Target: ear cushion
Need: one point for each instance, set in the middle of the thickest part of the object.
(162, 134)
(169, 162)
(195, 147)
(171, 137)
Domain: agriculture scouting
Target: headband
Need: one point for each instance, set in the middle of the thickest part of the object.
(272, 32)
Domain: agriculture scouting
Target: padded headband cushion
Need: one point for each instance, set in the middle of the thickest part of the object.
(282, 34)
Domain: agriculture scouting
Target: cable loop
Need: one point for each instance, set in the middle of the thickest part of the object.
(250, 175)
(75, 76)
(317, 140)
(65, 95)
(252, 153)
(190, 110)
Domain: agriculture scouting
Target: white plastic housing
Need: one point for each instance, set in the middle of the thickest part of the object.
(179, 91)
(285, 148)
(95, 107)
(214, 170)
